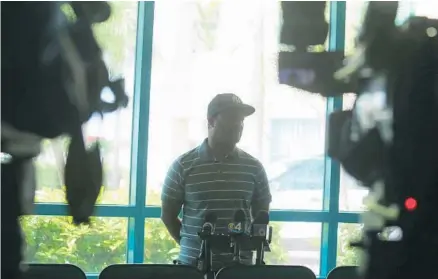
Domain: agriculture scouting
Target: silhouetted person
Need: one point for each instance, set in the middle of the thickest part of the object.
(215, 176)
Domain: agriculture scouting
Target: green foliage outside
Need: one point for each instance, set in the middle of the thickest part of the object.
(56, 240)
(345, 254)
(53, 239)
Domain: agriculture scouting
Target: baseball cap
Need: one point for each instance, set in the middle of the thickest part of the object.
(225, 101)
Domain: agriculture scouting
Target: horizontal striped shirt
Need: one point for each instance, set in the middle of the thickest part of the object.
(203, 184)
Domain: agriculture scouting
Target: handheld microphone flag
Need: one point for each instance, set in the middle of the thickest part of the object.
(259, 233)
(209, 223)
(236, 230)
(260, 224)
(238, 226)
(204, 259)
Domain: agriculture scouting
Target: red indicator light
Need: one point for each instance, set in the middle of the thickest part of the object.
(410, 204)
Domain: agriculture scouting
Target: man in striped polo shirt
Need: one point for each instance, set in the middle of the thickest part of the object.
(214, 177)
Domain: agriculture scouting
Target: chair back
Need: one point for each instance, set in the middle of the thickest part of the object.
(266, 272)
(150, 271)
(344, 272)
(53, 271)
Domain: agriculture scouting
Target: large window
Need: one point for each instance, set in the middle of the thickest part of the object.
(217, 47)
(175, 57)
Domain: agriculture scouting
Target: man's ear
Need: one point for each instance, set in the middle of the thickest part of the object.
(211, 122)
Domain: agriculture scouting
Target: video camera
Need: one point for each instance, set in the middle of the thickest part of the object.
(389, 140)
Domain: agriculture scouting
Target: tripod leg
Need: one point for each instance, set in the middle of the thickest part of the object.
(11, 232)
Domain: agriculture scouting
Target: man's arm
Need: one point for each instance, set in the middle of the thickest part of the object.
(172, 198)
(262, 193)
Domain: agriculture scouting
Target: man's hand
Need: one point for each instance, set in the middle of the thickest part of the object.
(169, 216)
(262, 194)
(172, 198)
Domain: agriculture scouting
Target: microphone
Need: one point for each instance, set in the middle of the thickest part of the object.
(237, 229)
(204, 259)
(259, 230)
(238, 226)
(209, 224)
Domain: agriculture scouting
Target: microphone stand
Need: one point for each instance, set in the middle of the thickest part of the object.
(238, 229)
(205, 260)
(259, 233)
(236, 258)
(260, 253)
(208, 259)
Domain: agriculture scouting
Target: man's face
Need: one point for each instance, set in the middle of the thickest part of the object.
(228, 126)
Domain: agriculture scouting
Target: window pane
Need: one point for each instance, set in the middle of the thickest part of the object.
(351, 193)
(296, 244)
(160, 248)
(355, 11)
(421, 8)
(218, 47)
(347, 255)
(56, 240)
(117, 38)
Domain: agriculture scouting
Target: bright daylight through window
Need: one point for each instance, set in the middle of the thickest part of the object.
(223, 49)
(225, 46)
(208, 47)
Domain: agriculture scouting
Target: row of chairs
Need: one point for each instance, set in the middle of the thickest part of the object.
(146, 271)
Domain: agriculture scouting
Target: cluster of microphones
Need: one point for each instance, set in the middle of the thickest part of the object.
(241, 236)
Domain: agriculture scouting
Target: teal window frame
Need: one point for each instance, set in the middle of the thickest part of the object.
(330, 217)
